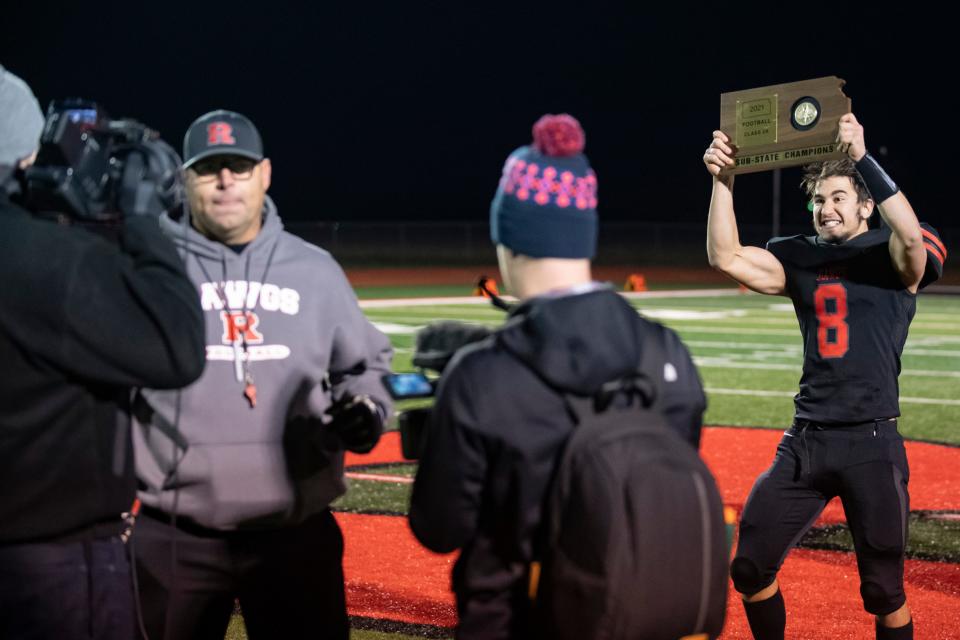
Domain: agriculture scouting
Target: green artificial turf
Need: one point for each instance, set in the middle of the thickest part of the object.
(930, 538)
(749, 353)
(370, 496)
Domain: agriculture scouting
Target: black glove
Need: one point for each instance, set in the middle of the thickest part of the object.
(357, 422)
(308, 446)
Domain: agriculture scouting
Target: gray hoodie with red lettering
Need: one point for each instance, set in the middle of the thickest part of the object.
(282, 319)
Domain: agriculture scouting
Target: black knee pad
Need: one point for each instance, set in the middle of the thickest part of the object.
(879, 601)
(746, 576)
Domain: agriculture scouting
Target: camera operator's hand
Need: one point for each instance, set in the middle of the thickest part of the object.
(151, 182)
(357, 422)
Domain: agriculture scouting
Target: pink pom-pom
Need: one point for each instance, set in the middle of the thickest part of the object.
(558, 135)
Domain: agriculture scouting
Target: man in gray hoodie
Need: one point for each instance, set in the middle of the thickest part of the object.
(238, 470)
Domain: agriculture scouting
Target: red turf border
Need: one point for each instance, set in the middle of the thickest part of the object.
(390, 576)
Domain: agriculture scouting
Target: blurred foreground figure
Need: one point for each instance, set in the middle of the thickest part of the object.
(82, 321)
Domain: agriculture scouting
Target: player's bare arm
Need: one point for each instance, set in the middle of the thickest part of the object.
(906, 240)
(752, 267)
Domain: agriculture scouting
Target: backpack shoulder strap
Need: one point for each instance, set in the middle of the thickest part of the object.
(646, 382)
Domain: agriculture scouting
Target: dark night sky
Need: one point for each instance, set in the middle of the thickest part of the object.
(404, 110)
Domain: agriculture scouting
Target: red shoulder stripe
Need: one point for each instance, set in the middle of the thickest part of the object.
(934, 251)
(936, 241)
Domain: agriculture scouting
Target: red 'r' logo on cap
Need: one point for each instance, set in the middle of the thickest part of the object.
(220, 133)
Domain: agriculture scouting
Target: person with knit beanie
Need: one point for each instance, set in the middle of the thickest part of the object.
(546, 204)
(500, 420)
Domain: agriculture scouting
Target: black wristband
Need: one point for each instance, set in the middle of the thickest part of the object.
(878, 182)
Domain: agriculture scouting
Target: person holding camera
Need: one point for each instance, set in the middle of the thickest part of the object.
(238, 470)
(505, 405)
(82, 321)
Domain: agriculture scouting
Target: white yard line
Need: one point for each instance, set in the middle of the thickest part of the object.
(934, 401)
(692, 314)
(924, 352)
(939, 326)
(724, 344)
(479, 300)
(933, 341)
(378, 477)
(790, 394)
(729, 363)
(392, 328)
(750, 392)
(424, 302)
(685, 293)
(719, 320)
(735, 330)
(793, 349)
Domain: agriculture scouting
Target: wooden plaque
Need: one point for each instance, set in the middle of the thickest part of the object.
(784, 125)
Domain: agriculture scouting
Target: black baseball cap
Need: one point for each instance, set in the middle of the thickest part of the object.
(220, 133)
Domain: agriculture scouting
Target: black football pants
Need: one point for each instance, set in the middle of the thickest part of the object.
(865, 465)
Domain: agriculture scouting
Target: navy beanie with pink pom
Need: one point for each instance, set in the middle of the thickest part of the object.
(546, 204)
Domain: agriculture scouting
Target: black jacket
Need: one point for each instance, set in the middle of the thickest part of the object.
(498, 428)
(82, 320)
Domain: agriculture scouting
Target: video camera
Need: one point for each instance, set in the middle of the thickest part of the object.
(96, 169)
(436, 345)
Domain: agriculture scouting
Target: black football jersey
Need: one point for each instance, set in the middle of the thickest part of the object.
(854, 314)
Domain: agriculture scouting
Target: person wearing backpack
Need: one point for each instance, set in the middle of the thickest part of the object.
(573, 358)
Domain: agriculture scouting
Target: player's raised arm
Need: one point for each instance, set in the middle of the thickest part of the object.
(906, 242)
(753, 267)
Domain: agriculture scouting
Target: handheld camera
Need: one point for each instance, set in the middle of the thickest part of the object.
(97, 169)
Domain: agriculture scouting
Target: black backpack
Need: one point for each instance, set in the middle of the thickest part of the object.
(634, 542)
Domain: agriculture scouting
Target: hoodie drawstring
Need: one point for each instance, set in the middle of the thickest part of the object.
(241, 354)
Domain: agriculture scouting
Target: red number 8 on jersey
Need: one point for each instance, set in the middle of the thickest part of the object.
(835, 319)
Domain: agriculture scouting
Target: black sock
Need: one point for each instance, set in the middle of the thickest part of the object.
(898, 633)
(767, 618)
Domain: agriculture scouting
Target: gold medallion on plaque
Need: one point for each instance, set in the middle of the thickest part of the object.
(805, 113)
(785, 124)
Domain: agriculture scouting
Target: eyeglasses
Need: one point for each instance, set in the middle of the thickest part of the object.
(208, 170)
